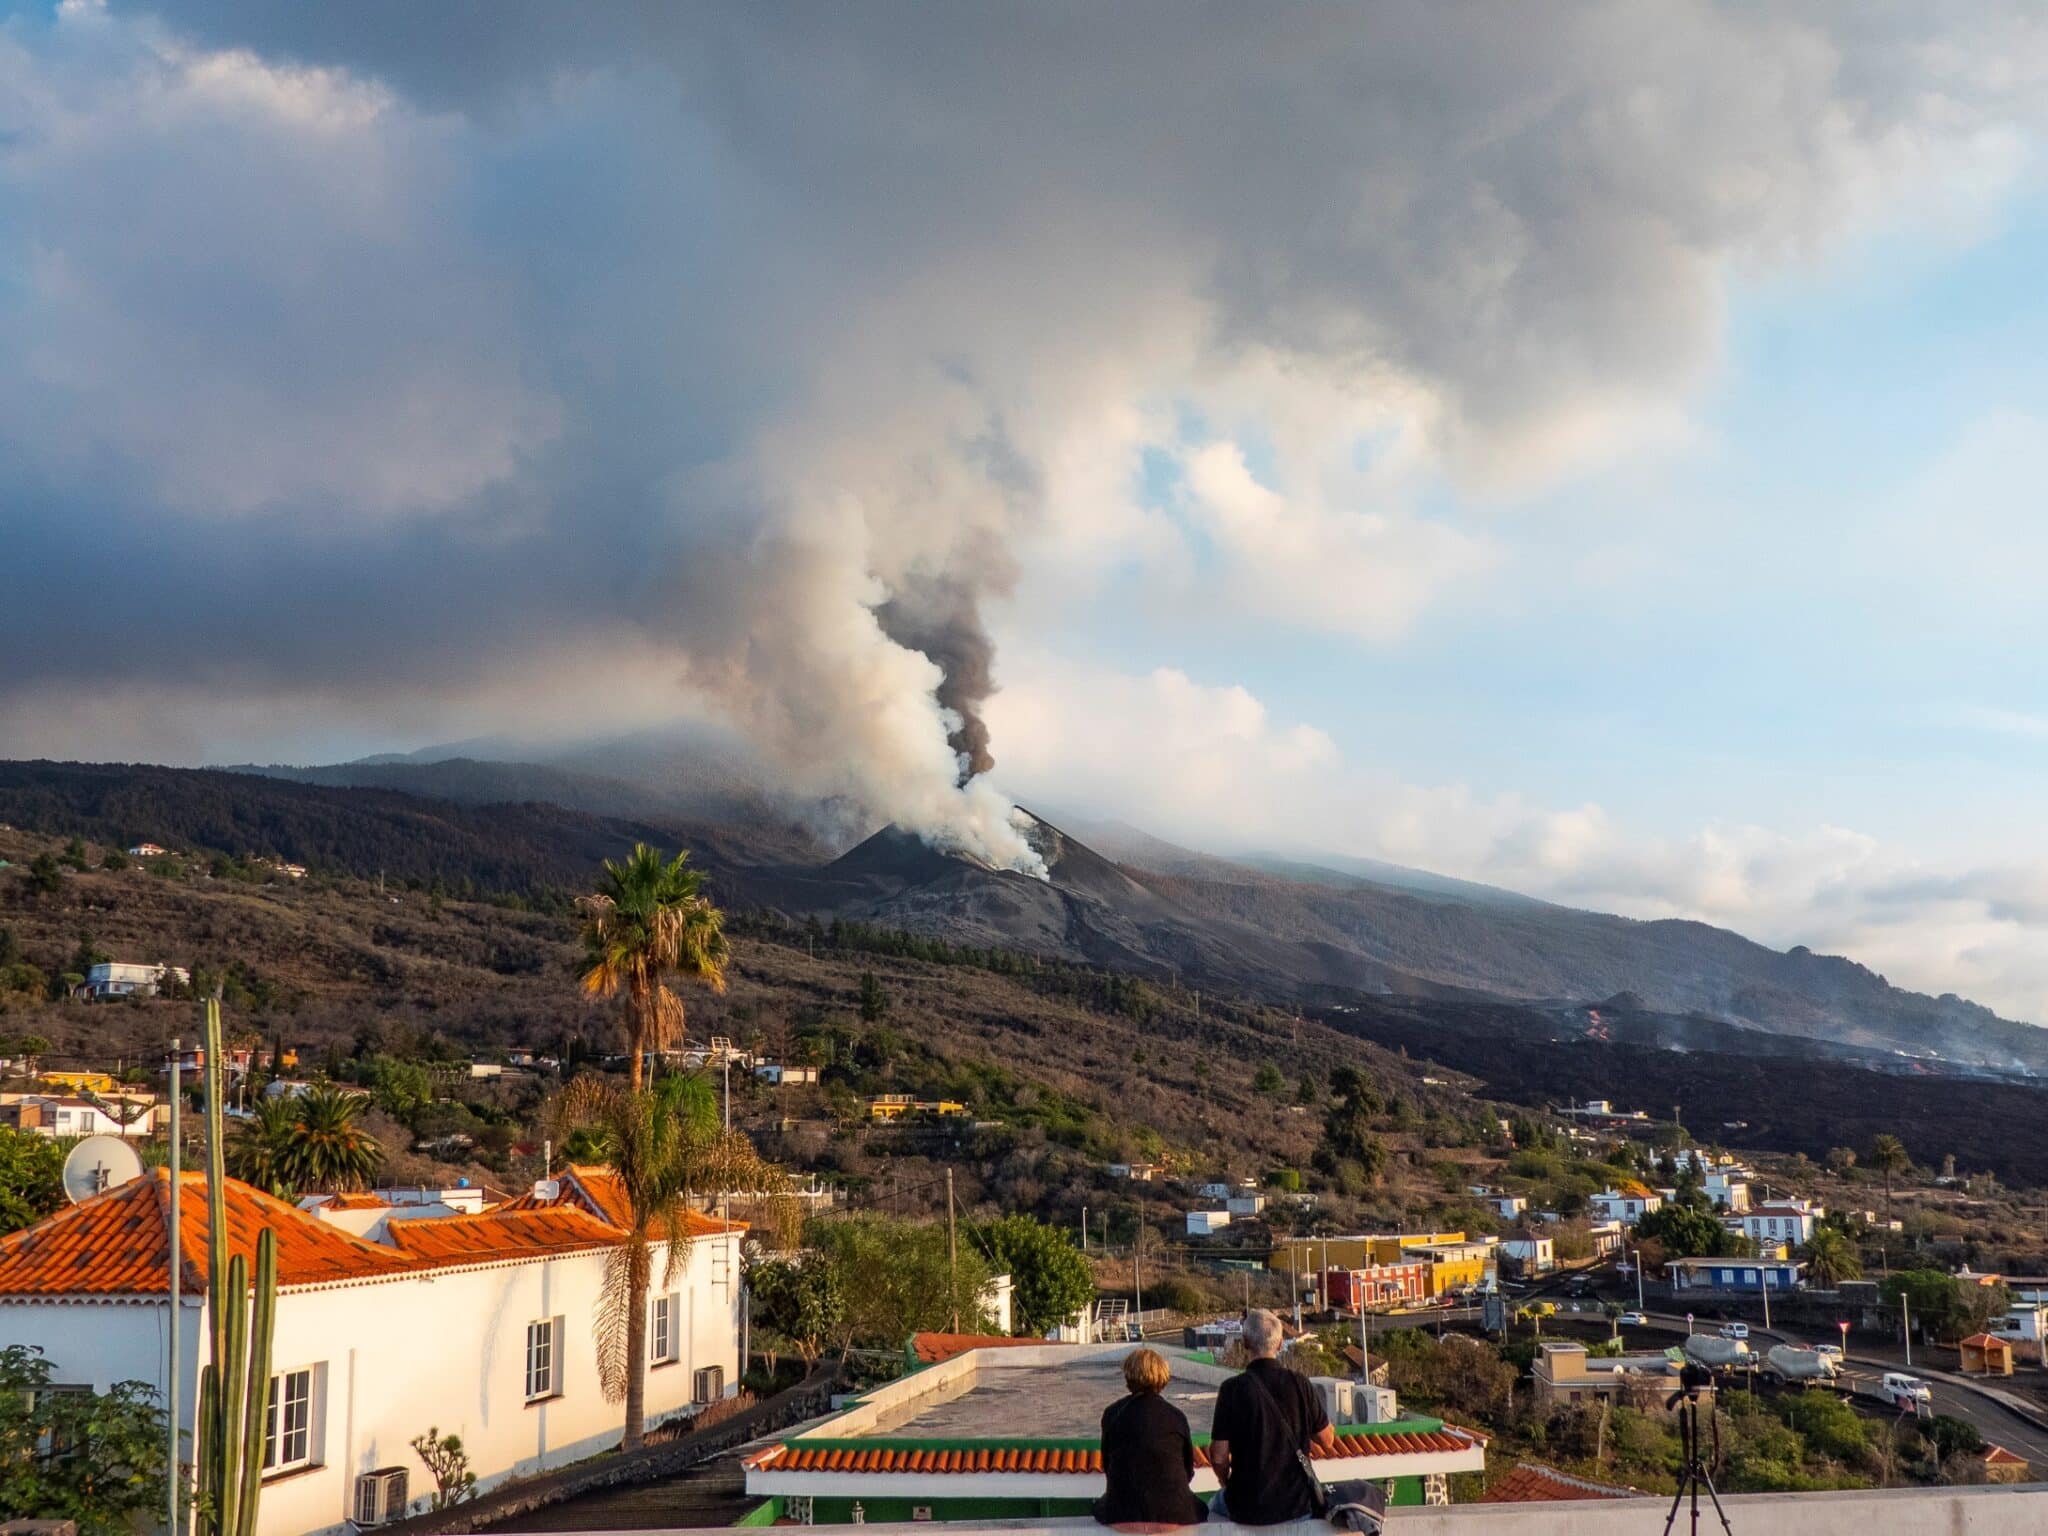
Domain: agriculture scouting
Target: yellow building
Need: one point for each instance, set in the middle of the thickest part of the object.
(891, 1106)
(1308, 1255)
(1457, 1264)
(82, 1082)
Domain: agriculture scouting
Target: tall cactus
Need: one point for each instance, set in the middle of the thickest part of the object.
(234, 1388)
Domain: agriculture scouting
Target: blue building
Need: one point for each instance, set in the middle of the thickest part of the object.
(1732, 1277)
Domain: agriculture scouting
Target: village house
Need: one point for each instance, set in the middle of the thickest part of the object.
(1788, 1222)
(1628, 1202)
(1564, 1373)
(1529, 1252)
(1377, 1285)
(480, 1325)
(114, 978)
(1741, 1277)
(67, 1115)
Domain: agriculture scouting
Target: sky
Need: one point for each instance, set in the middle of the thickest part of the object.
(1595, 450)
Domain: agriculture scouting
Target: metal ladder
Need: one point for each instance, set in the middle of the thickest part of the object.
(1112, 1320)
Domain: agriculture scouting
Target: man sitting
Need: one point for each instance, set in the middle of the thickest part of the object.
(1267, 1417)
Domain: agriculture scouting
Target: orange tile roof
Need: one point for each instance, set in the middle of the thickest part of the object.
(117, 1243)
(1533, 1483)
(350, 1201)
(931, 1348)
(599, 1191)
(449, 1240)
(885, 1456)
(1986, 1341)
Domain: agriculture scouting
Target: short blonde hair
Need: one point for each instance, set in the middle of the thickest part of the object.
(1145, 1370)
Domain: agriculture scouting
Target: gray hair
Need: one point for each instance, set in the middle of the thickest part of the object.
(1261, 1334)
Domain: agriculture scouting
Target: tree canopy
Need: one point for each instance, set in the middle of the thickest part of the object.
(1050, 1281)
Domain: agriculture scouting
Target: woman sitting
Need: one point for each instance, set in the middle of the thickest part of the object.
(1148, 1455)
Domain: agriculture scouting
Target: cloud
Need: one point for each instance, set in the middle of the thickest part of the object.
(763, 356)
(1207, 766)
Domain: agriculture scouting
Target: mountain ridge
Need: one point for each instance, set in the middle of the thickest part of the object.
(1218, 925)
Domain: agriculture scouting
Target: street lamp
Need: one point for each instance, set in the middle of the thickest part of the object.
(1844, 1326)
(1637, 1255)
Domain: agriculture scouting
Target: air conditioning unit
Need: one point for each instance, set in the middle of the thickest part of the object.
(380, 1496)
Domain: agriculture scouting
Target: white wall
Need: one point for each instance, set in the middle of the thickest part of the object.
(446, 1349)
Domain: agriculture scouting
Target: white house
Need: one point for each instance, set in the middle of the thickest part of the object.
(1629, 1204)
(1781, 1221)
(1207, 1223)
(66, 1115)
(1508, 1207)
(1728, 1188)
(114, 978)
(1532, 1253)
(1245, 1205)
(482, 1325)
(779, 1074)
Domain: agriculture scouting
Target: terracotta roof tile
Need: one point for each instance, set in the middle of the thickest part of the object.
(1534, 1483)
(931, 1348)
(448, 1240)
(887, 1456)
(117, 1243)
(597, 1190)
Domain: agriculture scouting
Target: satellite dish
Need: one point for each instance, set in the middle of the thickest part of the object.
(99, 1163)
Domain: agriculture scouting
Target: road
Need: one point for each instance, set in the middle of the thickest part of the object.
(1992, 1419)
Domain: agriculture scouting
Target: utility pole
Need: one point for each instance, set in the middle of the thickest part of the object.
(173, 1476)
(1084, 1229)
(952, 1254)
(1138, 1273)
(1765, 1271)
(1906, 1322)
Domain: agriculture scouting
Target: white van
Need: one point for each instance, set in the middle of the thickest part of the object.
(1903, 1391)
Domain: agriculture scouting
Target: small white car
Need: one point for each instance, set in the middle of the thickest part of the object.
(1632, 1319)
(1903, 1391)
(1829, 1352)
(1735, 1330)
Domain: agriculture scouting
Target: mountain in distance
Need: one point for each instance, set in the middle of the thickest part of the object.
(1313, 934)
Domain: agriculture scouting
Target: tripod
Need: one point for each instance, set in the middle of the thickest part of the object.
(1695, 1474)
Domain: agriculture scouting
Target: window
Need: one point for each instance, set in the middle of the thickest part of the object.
(661, 1331)
(61, 1439)
(288, 1429)
(709, 1385)
(543, 1359)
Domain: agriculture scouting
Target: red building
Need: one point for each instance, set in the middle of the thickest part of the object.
(1381, 1285)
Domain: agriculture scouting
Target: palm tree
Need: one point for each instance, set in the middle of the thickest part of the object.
(651, 920)
(329, 1151)
(261, 1147)
(1888, 1155)
(1831, 1258)
(665, 1143)
(309, 1142)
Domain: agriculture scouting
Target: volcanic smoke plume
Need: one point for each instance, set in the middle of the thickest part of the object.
(941, 618)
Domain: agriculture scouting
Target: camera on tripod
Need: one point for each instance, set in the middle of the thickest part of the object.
(1693, 1379)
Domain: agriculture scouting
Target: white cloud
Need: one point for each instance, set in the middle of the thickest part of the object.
(1206, 765)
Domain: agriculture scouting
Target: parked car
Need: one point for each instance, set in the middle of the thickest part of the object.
(1832, 1351)
(1903, 1391)
(1632, 1319)
(1735, 1330)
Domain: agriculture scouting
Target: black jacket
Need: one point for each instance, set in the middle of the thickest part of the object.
(1267, 1485)
(1148, 1457)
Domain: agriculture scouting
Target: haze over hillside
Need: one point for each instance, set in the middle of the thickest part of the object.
(1306, 935)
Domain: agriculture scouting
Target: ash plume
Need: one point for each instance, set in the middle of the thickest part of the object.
(940, 618)
(593, 368)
